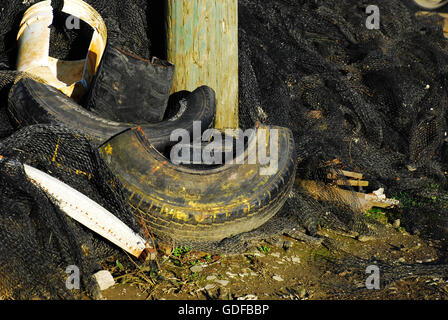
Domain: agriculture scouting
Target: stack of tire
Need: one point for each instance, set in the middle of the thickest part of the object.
(125, 116)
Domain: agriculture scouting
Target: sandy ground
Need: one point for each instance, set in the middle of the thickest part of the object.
(289, 269)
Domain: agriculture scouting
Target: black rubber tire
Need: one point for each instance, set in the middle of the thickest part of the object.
(32, 102)
(190, 205)
(127, 88)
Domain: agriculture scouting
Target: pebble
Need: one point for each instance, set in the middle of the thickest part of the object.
(210, 278)
(104, 279)
(196, 269)
(276, 254)
(248, 297)
(209, 287)
(295, 259)
(231, 275)
(277, 278)
(222, 282)
(397, 223)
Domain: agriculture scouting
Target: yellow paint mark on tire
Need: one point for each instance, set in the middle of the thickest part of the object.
(108, 149)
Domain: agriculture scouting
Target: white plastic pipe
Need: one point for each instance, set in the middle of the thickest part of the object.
(88, 213)
(34, 37)
(70, 77)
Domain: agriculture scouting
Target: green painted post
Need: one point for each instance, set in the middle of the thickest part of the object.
(203, 45)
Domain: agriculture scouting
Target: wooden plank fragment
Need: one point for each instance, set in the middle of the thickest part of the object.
(352, 183)
(334, 174)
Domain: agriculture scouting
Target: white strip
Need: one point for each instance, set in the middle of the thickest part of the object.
(87, 212)
(34, 37)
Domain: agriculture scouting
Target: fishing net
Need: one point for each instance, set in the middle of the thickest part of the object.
(370, 101)
(39, 241)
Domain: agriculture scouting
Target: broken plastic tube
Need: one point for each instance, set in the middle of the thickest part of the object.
(431, 4)
(88, 213)
(71, 77)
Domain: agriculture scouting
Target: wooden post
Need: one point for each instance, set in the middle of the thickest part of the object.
(203, 45)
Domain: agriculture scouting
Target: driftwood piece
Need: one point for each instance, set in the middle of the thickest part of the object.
(357, 200)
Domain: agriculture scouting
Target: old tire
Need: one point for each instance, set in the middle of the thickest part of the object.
(127, 88)
(430, 4)
(32, 102)
(191, 205)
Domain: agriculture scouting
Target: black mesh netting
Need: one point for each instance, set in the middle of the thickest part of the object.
(375, 100)
(38, 241)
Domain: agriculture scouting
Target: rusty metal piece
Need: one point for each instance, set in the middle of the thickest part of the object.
(70, 77)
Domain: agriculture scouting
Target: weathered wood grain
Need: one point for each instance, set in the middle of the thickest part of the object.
(203, 45)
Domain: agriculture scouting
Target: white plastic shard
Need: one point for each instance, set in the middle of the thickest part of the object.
(88, 212)
(70, 77)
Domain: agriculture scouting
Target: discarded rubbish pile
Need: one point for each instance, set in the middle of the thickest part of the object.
(177, 203)
(373, 99)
